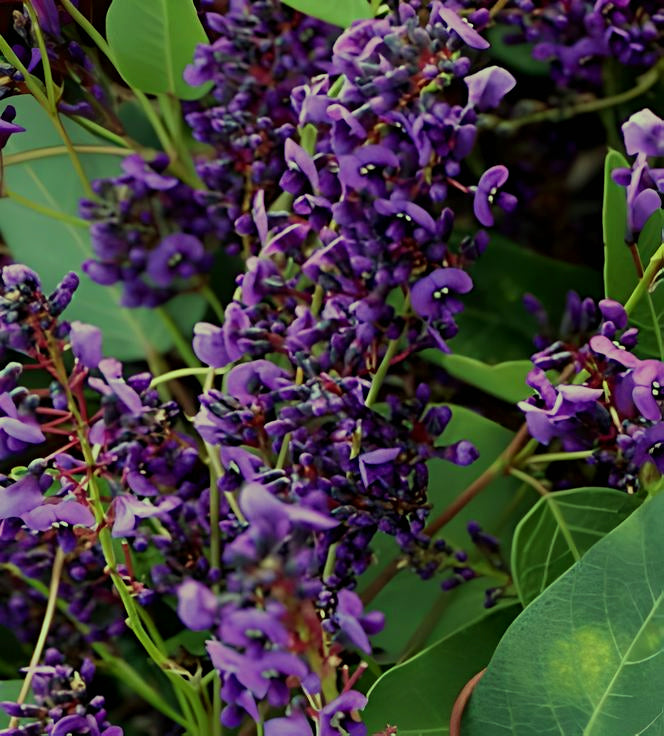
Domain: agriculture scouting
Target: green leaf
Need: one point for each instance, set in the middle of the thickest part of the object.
(651, 236)
(9, 690)
(516, 56)
(152, 43)
(52, 247)
(619, 271)
(494, 326)
(497, 509)
(558, 530)
(587, 656)
(339, 12)
(417, 696)
(505, 381)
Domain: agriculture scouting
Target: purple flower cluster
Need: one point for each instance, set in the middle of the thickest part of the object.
(578, 36)
(615, 411)
(150, 232)
(62, 705)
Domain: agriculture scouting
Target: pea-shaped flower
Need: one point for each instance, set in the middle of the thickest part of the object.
(433, 296)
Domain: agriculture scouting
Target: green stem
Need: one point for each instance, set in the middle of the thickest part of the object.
(645, 82)
(216, 472)
(75, 160)
(379, 376)
(641, 289)
(553, 507)
(211, 298)
(217, 729)
(102, 132)
(43, 210)
(552, 457)
(182, 345)
(46, 64)
(50, 151)
(56, 574)
(184, 372)
(656, 326)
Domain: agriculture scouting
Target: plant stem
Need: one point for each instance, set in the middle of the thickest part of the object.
(43, 210)
(379, 376)
(56, 573)
(46, 64)
(184, 372)
(211, 298)
(644, 83)
(33, 84)
(99, 130)
(182, 345)
(654, 265)
(50, 151)
(75, 160)
(552, 457)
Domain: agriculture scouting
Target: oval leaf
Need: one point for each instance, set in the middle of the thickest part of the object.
(417, 696)
(587, 657)
(619, 271)
(338, 13)
(52, 247)
(505, 381)
(153, 41)
(558, 530)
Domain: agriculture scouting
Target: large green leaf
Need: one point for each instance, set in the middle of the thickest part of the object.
(338, 13)
(587, 656)
(417, 696)
(494, 325)
(560, 528)
(497, 509)
(650, 237)
(52, 247)
(153, 41)
(504, 380)
(9, 690)
(619, 271)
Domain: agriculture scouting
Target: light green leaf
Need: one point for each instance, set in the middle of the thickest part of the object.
(494, 326)
(558, 530)
(505, 381)
(417, 696)
(498, 510)
(586, 658)
(9, 690)
(153, 41)
(52, 248)
(619, 271)
(338, 12)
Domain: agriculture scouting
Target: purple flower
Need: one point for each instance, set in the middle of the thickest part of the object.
(70, 512)
(128, 511)
(7, 128)
(487, 88)
(296, 724)
(301, 170)
(644, 133)
(219, 346)
(431, 297)
(460, 26)
(197, 605)
(20, 497)
(246, 380)
(176, 256)
(372, 464)
(47, 16)
(86, 343)
(650, 447)
(337, 715)
(352, 624)
(648, 391)
(17, 431)
(487, 192)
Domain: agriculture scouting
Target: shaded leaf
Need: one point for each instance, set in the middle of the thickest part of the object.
(587, 656)
(417, 696)
(9, 690)
(619, 271)
(505, 381)
(339, 13)
(651, 236)
(515, 56)
(558, 530)
(153, 41)
(494, 326)
(52, 248)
